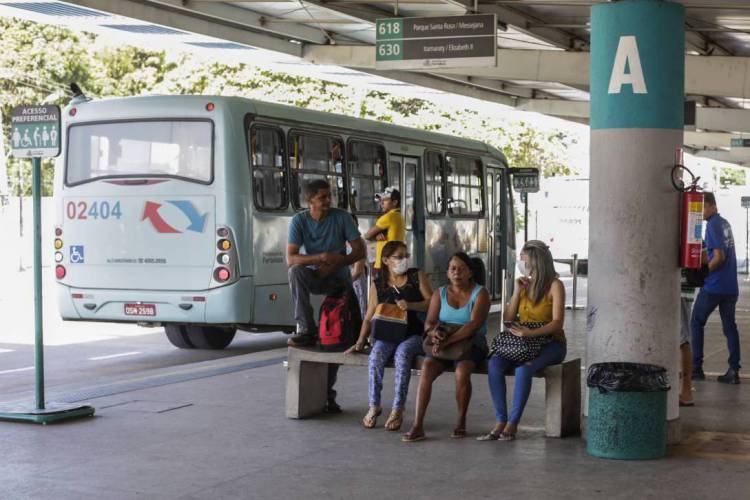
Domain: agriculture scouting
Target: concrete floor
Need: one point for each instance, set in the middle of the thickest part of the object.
(226, 436)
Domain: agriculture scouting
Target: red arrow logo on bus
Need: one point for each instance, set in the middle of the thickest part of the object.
(151, 212)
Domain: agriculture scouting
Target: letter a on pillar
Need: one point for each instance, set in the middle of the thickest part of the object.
(627, 55)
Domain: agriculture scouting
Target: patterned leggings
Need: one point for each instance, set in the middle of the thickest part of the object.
(403, 355)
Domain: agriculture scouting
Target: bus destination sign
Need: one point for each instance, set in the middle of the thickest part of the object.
(525, 180)
(436, 42)
(35, 131)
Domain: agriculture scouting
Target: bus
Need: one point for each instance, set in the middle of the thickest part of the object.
(173, 211)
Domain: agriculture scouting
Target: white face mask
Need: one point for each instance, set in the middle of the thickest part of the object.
(523, 267)
(400, 267)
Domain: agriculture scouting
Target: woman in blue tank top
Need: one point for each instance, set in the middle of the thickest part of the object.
(466, 302)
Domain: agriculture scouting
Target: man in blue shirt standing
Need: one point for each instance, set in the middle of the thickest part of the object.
(719, 289)
(318, 263)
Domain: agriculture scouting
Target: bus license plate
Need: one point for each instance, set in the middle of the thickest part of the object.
(140, 309)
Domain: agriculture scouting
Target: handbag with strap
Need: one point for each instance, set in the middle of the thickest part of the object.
(389, 323)
(519, 349)
(453, 352)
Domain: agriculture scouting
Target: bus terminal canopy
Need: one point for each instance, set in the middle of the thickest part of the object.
(542, 47)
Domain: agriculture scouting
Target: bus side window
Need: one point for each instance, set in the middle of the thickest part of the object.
(269, 177)
(434, 180)
(464, 185)
(367, 175)
(311, 157)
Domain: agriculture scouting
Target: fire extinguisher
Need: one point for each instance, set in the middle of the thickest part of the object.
(691, 219)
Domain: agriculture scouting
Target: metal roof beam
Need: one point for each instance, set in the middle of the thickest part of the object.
(710, 76)
(177, 17)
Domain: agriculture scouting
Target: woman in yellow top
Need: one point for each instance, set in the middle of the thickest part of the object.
(539, 297)
(390, 226)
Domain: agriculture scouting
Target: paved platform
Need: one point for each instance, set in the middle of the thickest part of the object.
(217, 430)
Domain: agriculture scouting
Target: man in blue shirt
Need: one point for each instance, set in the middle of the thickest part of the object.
(719, 289)
(318, 263)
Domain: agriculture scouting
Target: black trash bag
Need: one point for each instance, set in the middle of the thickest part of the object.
(627, 377)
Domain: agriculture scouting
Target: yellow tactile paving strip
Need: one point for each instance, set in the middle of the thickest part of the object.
(725, 445)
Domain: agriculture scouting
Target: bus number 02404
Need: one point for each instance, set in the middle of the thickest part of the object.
(83, 210)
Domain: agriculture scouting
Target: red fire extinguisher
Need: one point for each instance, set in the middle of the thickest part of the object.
(691, 229)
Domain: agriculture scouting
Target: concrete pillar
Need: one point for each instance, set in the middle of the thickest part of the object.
(637, 94)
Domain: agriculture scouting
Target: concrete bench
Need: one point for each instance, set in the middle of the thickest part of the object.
(307, 374)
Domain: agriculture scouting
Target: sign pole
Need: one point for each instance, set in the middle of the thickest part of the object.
(36, 180)
(525, 217)
(35, 133)
(747, 241)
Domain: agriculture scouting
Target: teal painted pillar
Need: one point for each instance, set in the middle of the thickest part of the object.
(637, 94)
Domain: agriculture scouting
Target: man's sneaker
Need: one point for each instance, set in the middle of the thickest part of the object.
(332, 407)
(732, 376)
(301, 339)
(698, 374)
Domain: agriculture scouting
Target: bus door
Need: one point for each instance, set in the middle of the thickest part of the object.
(405, 169)
(497, 237)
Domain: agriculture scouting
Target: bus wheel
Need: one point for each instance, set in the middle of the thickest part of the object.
(178, 336)
(210, 337)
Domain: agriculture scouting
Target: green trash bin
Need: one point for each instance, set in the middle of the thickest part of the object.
(627, 411)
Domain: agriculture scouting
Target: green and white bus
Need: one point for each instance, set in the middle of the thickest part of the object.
(173, 210)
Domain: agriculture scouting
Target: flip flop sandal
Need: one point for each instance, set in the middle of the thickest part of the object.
(410, 437)
(458, 433)
(371, 418)
(490, 436)
(395, 419)
(687, 403)
(506, 437)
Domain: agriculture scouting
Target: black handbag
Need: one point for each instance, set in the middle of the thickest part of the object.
(519, 349)
(389, 323)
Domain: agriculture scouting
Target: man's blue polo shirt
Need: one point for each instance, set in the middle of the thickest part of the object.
(719, 236)
(327, 235)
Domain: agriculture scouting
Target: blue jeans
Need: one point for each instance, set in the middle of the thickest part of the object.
(704, 305)
(552, 354)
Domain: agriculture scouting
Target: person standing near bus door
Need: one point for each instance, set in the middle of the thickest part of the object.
(719, 289)
(390, 226)
(322, 232)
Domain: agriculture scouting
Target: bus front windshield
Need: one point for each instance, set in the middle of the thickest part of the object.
(134, 148)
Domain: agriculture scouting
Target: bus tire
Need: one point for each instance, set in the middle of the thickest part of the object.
(177, 335)
(210, 337)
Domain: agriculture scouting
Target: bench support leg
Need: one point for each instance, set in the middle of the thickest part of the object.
(306, 388)
(563, 399)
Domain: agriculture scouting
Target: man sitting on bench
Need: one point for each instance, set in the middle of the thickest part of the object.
(323, 268)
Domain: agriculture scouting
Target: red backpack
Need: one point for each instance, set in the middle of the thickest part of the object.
(340, 321)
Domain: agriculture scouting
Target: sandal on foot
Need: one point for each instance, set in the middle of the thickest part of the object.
(490, 436)
(395, 419)
(411, 437)
(506, 436)
(458, 433)
(371, 419)
(689, 402)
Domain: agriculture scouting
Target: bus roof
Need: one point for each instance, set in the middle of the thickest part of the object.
(292, 113)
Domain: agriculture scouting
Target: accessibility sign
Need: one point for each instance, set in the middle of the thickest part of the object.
(35, 131)
(436, 42)
(525, 180)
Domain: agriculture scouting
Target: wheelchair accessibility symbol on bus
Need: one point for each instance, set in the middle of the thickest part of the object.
(76, 254)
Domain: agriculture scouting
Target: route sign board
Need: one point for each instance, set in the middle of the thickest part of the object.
(737, 142)
(35, 131)
(525, 180)
(436, 42)
(745, 200)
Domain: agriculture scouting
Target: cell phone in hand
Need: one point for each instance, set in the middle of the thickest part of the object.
(511, 324)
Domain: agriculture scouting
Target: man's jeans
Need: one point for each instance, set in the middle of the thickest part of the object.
(302, 283)
(704, 305)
